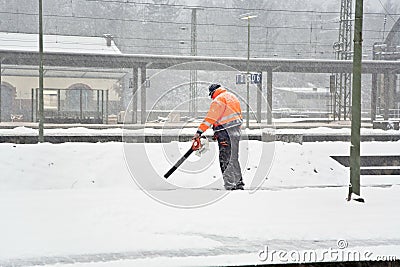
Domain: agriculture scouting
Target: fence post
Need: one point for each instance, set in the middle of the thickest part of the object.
(106, 106)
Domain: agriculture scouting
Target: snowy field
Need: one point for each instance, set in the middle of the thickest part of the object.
(77, 204)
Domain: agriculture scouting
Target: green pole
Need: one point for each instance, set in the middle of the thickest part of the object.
(356, 104)
(41, 104)
(248, 78)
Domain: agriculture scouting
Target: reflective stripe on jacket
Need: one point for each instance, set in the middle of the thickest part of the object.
(224, 112)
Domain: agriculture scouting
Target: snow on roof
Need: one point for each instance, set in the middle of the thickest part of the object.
(57, 43)
(306, 90)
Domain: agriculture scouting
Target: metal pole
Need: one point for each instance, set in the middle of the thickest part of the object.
(102, 106)
(269, 97)
(32, 104)
(344, 97)
(248, 74)
(143, 94)
(384, 27)
(259, 102)
(37, 104)
(98, 105)
(1, 70)
(41, 103)
(135, 88)
(356, 104)
(107, 107)
(374, 89)
(332, 90)
(80, 104)
(58, 103)
(340, 96)
(392, 95)
(386, 96)
(193, 72)
(395, 95)
(333, 105)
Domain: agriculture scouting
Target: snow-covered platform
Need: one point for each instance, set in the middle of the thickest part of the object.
(150, 134)
(76, 204)
(284, 123)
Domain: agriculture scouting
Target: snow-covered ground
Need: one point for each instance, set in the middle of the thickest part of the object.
(78, 204)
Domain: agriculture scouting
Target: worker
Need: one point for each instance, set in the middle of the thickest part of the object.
(225, 117)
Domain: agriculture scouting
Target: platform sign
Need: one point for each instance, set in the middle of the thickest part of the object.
(241, 78)
(256, 78)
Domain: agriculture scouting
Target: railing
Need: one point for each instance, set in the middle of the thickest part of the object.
(72, 105)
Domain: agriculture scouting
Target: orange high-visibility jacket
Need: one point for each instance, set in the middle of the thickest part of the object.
(224, 112)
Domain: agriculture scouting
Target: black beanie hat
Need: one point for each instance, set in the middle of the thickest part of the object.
(213, 87)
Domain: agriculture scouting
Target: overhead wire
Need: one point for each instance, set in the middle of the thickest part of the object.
(227, 8)
(387, 12)
(207, 24)
(176, 23)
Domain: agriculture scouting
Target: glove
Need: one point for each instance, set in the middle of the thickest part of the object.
(204, 146)
(196, 145)
(196, 136)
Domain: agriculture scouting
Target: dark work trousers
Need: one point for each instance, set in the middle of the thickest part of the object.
(228, 143)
